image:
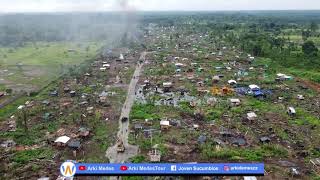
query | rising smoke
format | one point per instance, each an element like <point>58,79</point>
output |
<point>115,26</point>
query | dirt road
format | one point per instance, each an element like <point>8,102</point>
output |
<point>130,150</point>
<point>313,85</point>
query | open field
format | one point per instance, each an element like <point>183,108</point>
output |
<point>33,66</point>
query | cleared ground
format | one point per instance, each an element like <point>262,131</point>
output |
<point>33,66</point>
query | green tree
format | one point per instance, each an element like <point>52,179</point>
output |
<point>309,48</point>
<point>314,27</point>
<point>306,34</point>
<point>257,50</point>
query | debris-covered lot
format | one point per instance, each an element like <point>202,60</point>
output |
<point>75,118</point>
<point>180,88</point>
<point>220,104</point>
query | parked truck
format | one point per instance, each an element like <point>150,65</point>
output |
<point>120,147</point>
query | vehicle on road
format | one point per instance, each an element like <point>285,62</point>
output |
<point>120,147</point>
<point>124,119</point>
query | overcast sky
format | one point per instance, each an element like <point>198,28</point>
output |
<point>151,5</point>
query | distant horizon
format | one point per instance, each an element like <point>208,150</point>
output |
<point>120,11</point>
<point>48,6</point>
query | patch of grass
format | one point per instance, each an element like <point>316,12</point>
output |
<point>305,118</point>
<point>50,53</point>
<point>101,141</point>
<point>2,87</point>
<point>33,135</point>
<point>145,143</point>
<point>95,154</point>
<point>255,154</point>
<point>263,106</point>
<point>100,136</point>
<point>274,68</point>
<point>185,107</point>
<point>150,111</point>
<point>164,71</point>
<point>12,107</point>
<point>305,74</point>
<point>87,89</point>
<point>43,62</point>
<point>138,159</point>
<point>315,176</point>
<point>282,134</point>
<point>213,114</point>
<point>26,156</point>
<point>52,126</point>
<point>35,167</point>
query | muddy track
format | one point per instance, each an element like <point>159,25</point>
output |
<point>313,85</point>
<point>123,133</point>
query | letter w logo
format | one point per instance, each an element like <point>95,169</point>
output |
<point>67,170</point>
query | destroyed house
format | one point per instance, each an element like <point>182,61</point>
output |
<point>61,141</point>
<point>106,66</point>
<point>74,144</point>
<point>167,86</point>
<point>251,116</point>
<point>103,69</point>
<point>8,144</point>
<point>238,141</point>
<point>103,97</point>
<point>202,139</point>
<point>283,77</point>
<point>54,93</point>
<point>215,79</point>
<point>218,68</point>
<point>164,124</point>
<point>138,127</point>
<point>232,82</point>
<point>265,139</point>
<point>259,94</point>
<point>235,102</point>
<point>179,65</point>
<point>84,132</point>
<point>45,102</point>
<point>220,75</point>
<point>72,93</point>
<point>226,133</point>
<point>300,97</point>
<point>155,155</point>
<point>200,69</point>
<point>291,111</point>
<point>83,103</point>
<point>254,87</point>
<point>66,90</point>
<point>47,116</point>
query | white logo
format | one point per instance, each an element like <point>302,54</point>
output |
<point>68,169</point>
<point>173,168</point>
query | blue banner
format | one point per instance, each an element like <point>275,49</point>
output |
<point>164,169</point>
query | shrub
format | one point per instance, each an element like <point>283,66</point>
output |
<point>138,159</point>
